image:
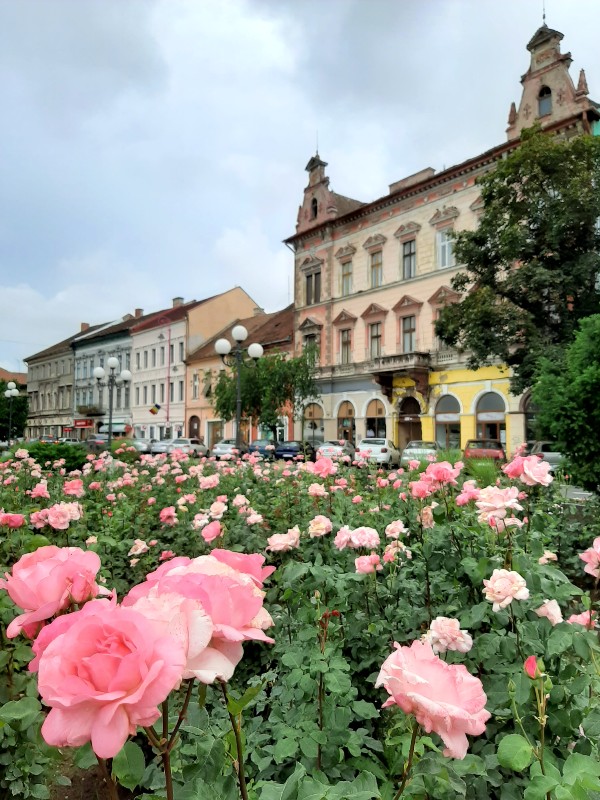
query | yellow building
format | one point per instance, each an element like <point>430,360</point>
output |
<point>371,278</point>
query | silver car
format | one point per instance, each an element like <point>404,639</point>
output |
<point>548,451</point>
<point>339,449</point>
<point>381,451</point>
<point>191,447</point>
<point>419,450</point>
<point>161,447</point>
<point>226,449</point>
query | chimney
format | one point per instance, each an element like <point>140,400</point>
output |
<point>177,301</point>
<point>257,310</point>
<point>139,312</point>
<point>85,326</point>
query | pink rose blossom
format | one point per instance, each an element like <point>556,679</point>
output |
<point>425,516</point>
<point>357,499</point>
<point>531,668</point>
<point>211,531</point>
<point>11,520</point>
<point>239,500</point>
<point>591,556</point>
<point>586,618</point>
<point>209,481</point>
<point>364,537</point>
<point>445,634</point>
<point>40,490</point>
<point>549,556</point>
<point>395,529</point>
<point>47,581</point>
<point>495,502</point>
<point>469,492</point>
<point>282,542</point>
<point>139,547</point>
<point>319,526</point>
<point>168,516</point>
<point>396,550</point>
<point>382,483</point>
<point>420,489</point>
<point>551,610</point>
<point>414,464</point>
<point>442,473</point>
<point>217,509</point>
<point>367,564</point>
<point>120,668</point>
<point>536,472</point>
<point>503,587</point>
<point>443,698</point>
<point>165,555</point>
<point>74,488</point>
<point>317,490</point>
<point>324,467</point>
<point>343,538</point>
<point>151,501</point>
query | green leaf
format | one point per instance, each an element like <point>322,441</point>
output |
<point>286,791</point>
<point>560,639</point>
<point>128,765</point>
<point>539,787</point>
<point>24,712</point>
<point>237,705</point>
<point>85,757</point>
<point>284,749</point>
<point>364,710</point>
<point>577,765</point>
<point>591,725</point>
<point>515,752</point>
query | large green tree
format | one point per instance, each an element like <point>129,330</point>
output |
<point>276,386</point>
<point>531,267</point>
<point>567,396</point>
<point>19,414</point>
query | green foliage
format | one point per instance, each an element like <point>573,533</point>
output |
<point>530,267</point>
<point>568,399</point>
<point>18,419</point>
<point>74,455</point>
<point>274,387</point>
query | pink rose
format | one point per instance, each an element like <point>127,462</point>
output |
<point>367,564</point>
<point>442,473</point>
<point>495,502</point>
<point>364,537</point>
<point>168,516</point>
<point>47,581</point>
<point>514,469</point>
<point>586,618</point>
<point>11,520</point>
<point>591,556</point>
<point>536,472</point>
<point>282,542</point>
<point>412,465</point>
<point>548,556</point>
<point>395,529</point>
<point>468,492</point>
<point>74,488</point>
<point>120,668</point>
<point>139,547</point>
<point>420,489</point>
<point>342,538</point>
<point>324,467</point>
<point>40,490</point>
<point>551,610</point>
<point>503,587</point>
<point>396,549</point>
<point>165,555</point>
<point>445,634</point>
<point>357,499</point>
<point>217,509</point>
<point>250,564</point>
<point>443,698</point>
<point>425,516</point>
<point>317,490</point>
<point>319,526</point>
<point>211,531</point>
<point>531,668</point>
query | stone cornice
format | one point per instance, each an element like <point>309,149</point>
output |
<point>375,242</point>
<point>345,253</point>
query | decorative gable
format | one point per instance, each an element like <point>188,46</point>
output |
<point>407,305</point>
<point>311,264</point>
<point>345,253</point>
<point>407,231</point>
<point>444,296</point>
<point>477,205</point>
<point>344,318</point>
<point>374,310</point>
<point>444,216</point>
<point>310,325</point>
<point>375,242</point>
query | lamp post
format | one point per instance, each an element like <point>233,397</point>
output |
<point>236,361</point>
<point>11,391</point>
<point>112,380</point>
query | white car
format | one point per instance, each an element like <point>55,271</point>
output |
<point>380,451</point>
<point>191,447</point>
<point>339,449</point>
<point>161,447</point>
<point>226,449</point>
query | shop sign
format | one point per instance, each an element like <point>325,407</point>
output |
<point>83,423</point>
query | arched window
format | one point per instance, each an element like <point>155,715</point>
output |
<point>530,414</point>
<point>544,101</point>
<point>312,430</point>
<point>447,422</point>
<point>194,427</point>
<point>491,417</point>
<point>314,208</point>
<point>345,422</point>
<point>375,422</point>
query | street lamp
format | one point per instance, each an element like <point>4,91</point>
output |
<point>11,391</point>
<point>237,360</point>
<point>112,380</point>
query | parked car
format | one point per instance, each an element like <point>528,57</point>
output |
<point>549,452</point>
<point>46,439</point>
<point>262,447</point>
<point>380,451</point>
<point>143,445</point>
<point>297,450</point>
<point>161,446</point>
<point>339,448</point>
<point>191,447</point>
<point>97,442</point>
<point>65,440</point>
<point>226,449</point>
<point>419,450</point>
<point>485,448</point>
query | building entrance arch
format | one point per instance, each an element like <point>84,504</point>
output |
<point>409,421</point>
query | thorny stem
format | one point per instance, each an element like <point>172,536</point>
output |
<point>181,717</point>
<point>238,746</point>
<point>108,780</point>
<point>408,765</point>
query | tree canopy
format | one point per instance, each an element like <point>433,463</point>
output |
<point>531,267</point>
<point>275,387</point>
<point>567,396</point>
<point>19,414</point>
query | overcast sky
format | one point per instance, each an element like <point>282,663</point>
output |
<point>156,148</point>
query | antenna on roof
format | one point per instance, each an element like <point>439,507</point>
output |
<point>544,11</point>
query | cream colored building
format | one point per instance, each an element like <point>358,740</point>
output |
<point>371,278</point>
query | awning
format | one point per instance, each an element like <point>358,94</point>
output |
<point>117,427</point>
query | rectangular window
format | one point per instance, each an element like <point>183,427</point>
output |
<point>162,393</point>
<point>145,359</point>
<point>345,346</point>
<point>313,288</point>
<point>375,339</point>
<point>145,395</point>
<point>128,360</point>
<point>346,278</point>
<point>85,369</point>
<point>137,360</point>
<point>409,259</point>
<point>376,269</point>
<point>445,255</point>
<point>153,393</point>
<point>162,356</point>
<point>409,334</point>
<point>126,396</point>
<point>180,391</point>
<point>153,356</point>
<point>195,386</point>
<point>172,353</point>
<point>137,395</point>
<point>181,351</point>
<point>171,392</point>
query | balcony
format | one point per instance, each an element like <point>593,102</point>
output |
<point>90,411</point>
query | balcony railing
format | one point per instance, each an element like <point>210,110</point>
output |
<point>90,411</point>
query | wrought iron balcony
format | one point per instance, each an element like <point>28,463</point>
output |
<point>90,411</point>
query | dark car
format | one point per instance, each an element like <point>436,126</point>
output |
<point>97,443</point>
<point>301,451</point>
<point>485,448</point>
<point>262,447</point>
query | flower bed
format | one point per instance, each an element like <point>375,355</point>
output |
<point>225,629</point>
